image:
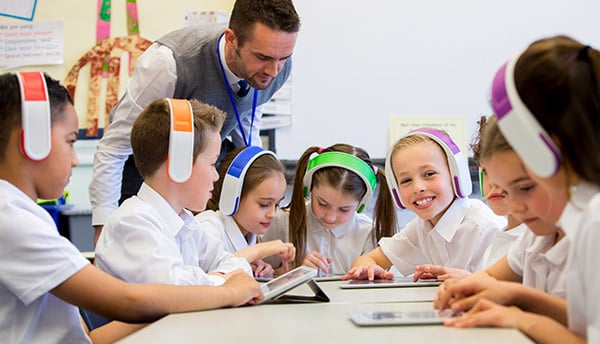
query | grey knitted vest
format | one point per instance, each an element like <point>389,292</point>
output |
<point>199,74</point>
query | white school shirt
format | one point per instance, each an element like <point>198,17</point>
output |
<point>224,227</point>
<point>155,78</point>
<point>458,240</point>
<point>540,262</point>
<point>343,243</point>
<point>146,241</point>
<point>34,259</point>
<point>501,243</point>
<point>581,222</point>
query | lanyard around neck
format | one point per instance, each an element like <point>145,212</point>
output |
<point>232,100</point>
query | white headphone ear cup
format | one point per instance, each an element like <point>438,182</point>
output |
<point>233,182</point>
<point>520,127</point>
<point>391,181</point>
<point>35,115</point>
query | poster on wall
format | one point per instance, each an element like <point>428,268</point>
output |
<point>20,9</point>
<point>29,44</point>
<point>453,125</point>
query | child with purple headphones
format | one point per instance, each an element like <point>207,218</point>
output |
<point>429,175</point>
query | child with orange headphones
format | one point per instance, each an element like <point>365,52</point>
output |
<point>428,174</point>
<point>153,237</point>
<point>325,219</point>
<point>244,202</point>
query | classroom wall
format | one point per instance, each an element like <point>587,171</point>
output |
<point>357,63</point>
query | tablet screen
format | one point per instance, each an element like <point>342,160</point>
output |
<point>284,279</point>
<point>396,282</point>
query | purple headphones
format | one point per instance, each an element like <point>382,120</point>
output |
<point>457,164</point>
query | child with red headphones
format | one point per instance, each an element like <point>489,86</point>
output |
<point>325,219</point>
<point>429,176</point>
<point>43,277</point>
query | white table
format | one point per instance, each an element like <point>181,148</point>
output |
<point>316,322</point>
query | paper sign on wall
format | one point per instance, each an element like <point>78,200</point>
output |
<point>34,43</point>
<point>21,9</point>
<point>453,125</point>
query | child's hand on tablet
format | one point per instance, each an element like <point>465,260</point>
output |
<point>441,273</point>
<point>242,289</point>
<point>370,272</point>
<point>318,261</point>
<point>261,269</point>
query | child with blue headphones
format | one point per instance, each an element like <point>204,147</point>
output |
<point>325,219</point>
<point>244,202</point>
<point>429,175</point>
<point>547,99</point>
<point>498,202</point>
<point>153,237</point>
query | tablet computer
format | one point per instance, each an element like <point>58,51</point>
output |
<point>390,283</point>
<point>406,317</point>
<point>291,279</point>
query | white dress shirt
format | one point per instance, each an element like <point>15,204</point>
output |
<point>34,259</point>
<point>581,222</point>
<point>540,262</point>
<point>501,243</point>
<point>146,241</point>
<point>155,77</point>
<point>343,243</point>
<point>458,240</point>
<point>226,229</point>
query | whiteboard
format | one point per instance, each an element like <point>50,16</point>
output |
<point>356,63</point>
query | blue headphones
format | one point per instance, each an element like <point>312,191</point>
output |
<point>35,115</point>
<point>345,161</point>
<point>233,182</point>
<point>181,140</point>
<point>457,164</point>
<point>519,126</point>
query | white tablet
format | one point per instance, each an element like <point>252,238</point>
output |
<point>387,318</point>
<point>287,281</point>
<point>390,283</point>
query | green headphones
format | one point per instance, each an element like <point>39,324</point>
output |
<point>348,162</point>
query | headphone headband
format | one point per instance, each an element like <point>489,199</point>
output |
<point>233,182</point>
<point>457,164</point>
<point>181,140</point>
<point>520,127</point>
<point>35,115</point>
<point>345,161</point>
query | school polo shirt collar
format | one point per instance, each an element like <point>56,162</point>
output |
<point>233,232</point>
<point>338,232</point>
<point>452,218</point>
<point>231,78</point>
<point>171,220</point>
<point>571,215</point>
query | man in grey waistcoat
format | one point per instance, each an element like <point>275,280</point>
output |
<point>236,69</point>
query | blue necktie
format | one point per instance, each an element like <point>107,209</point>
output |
<point>244,88</point>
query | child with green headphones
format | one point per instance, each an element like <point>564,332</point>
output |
<point>325,219</point>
